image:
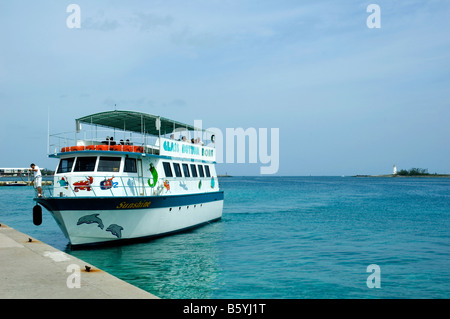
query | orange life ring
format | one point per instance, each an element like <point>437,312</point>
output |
<point>117,148</point>
<point>76,148</point>
<point>102,147</point>
<point>138,149</point>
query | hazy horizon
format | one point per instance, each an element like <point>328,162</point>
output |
<point>347,99</point>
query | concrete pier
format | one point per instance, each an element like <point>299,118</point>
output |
<point>30,269</point>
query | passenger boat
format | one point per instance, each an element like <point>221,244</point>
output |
<point>144,180</point>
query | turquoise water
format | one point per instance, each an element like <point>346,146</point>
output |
<point>286,237</point>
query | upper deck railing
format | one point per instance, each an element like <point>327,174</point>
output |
<point>181,147</point>
<point>130,131</point>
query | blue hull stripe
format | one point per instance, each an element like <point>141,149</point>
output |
<point>127,203</point>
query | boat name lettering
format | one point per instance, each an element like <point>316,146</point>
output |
<point>207,152</point>
<point>140,204</point>
<point>171,146</point>
<point>174,147</point>
<point>190,149</point>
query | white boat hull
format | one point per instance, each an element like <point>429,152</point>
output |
<point>95,226</point>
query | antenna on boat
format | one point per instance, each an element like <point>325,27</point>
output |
<point>48,129</point>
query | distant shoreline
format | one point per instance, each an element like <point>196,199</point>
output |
<point>405,176</point>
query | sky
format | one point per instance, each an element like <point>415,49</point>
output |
<point>346,99</point>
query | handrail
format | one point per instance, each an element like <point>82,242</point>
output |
<point>151,143</point>
<point>135,184</point>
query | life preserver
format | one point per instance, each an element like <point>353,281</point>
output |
<point>138,149</point>
<point>127,148</point>
<point>76,148</point>
<point>102,147</point>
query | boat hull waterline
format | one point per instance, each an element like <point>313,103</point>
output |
<point>86,221</point>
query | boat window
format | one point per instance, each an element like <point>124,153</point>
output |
<point>194,170</point>
<point>65,165</point>
<point>167,169</point>
<point>130,165</point>
<point>177,169</point>
<point>200,170</point>
<point>186,170</point>
<point>85,164</point>
<point>208,173</point>
<point>109,164</point>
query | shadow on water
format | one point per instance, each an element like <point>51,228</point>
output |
<point>182,265</point>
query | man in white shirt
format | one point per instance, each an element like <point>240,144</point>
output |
<point>37,178</point>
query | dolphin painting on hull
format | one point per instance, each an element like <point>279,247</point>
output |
<point>91,219</point>
<point>116,230</point>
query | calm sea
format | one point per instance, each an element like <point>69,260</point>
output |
<point>286,237</point>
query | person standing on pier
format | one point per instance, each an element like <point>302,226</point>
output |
<point>37,178</point>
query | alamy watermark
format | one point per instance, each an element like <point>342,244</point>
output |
<point>374,279</point>
<point>252,145</point>
<point>374,19</point>
<point>73,21</point>
<point>241,145</point>
<point>74,279</point>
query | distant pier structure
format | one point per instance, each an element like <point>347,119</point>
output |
<point>14,171</point>
<point>394,171</point>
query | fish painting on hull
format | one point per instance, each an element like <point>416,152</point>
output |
<point>63,183</point>
<point>108,184</point>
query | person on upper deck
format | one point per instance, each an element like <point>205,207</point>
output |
<point>106,142</point>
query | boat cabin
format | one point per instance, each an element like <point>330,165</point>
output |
<point>123,153</point>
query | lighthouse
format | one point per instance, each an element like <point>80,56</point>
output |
<point>394,171</point>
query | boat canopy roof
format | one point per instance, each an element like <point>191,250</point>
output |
<point>135,122</point>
